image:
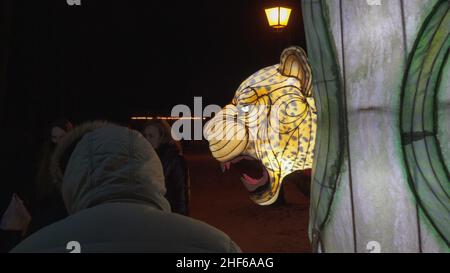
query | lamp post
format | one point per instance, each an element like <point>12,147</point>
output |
<point>278,17</point>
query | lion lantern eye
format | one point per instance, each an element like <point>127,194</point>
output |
<point>245,108</point>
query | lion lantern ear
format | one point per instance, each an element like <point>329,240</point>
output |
<point>294,63</point>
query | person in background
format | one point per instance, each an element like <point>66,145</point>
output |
<point>112,184</point>
<point>47,206</point>
<point>176,173</point>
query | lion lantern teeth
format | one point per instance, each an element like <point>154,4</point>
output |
<point>225,166</point>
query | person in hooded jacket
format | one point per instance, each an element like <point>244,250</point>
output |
<point>176,173</point>
<point>112,185</point>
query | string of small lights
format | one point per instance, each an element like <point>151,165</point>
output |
<point>168,118</point>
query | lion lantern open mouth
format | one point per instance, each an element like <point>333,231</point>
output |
<point>268,131</point>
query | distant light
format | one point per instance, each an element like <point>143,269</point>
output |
<point>141,118</point>
<point>278,17</point>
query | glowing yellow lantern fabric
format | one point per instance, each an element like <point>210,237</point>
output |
<point>278,17</point>
<point>271,121</point>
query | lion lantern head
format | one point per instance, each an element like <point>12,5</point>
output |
<point>269,127</point>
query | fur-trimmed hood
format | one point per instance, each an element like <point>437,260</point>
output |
<point>100,162</point>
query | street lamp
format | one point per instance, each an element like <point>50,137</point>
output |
<point>278,17</point>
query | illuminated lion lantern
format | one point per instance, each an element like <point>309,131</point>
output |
<point>269,127</point>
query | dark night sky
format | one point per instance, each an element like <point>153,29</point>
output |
<point>113,59</point>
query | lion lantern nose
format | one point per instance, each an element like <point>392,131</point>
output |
<point>226,134</point>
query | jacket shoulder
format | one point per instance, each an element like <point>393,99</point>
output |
<point>124,227</point>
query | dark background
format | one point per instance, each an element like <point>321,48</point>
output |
<point>114,59</point>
